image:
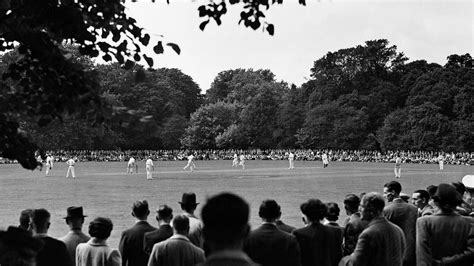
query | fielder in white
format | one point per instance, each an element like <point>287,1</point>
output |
<point>242,161</point>
<point>49,164</point>
<point>291,160</point>
<point>130,165</point>
<point>398,167</point>
<point>441,161</point>
<point>70,170</point>
<point>235,162</point>
<point>149,168</point>
<point>325,159</point>
<point>190,164</point>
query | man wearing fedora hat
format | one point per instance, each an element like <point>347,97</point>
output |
<point>188,205</point>
<point>445,238</point>
<point>75,220</point>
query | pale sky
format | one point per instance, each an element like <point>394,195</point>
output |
<point>429,30</point>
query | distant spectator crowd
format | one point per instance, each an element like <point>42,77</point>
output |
<point>432,226</point>
<point>419,157</point>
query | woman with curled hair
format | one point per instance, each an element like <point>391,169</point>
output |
<point>96,252</point>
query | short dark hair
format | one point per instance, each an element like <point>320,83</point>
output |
<point>25,218</point>
<point>352,201</point>
<point>393,186</point>
<point>181,223</point>
<point>269,209</point>
<point>225,218</point>
<point>39,217</point>
<point>314,209</point>
<point>100,227</point>
<point>164,211</point>
<point>140,208</point>
<point>423,194</point>
<point>460,187</point>
<point>432,190</point>
<point>374,201</point>
<point>333,211</point>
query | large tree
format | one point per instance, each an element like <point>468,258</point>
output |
<point>45,83</point>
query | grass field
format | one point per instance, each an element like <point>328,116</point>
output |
<point>104,189</point>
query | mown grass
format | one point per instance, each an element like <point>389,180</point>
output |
<point>104,189</point>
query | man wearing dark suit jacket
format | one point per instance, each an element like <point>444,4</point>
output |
<point>164,231</point>
<point>269,246</point>
<point>404,215</point>
<point>320,245</point>
<point>382,243</point>
<point>445,238</point>
<point>54,252</point>
<point>131,242</point>
<point>353,225</point>
<point>177,250</point>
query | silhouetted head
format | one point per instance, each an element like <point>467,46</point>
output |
<point>314,210</point>
<point>225,218</point>
<point>269,210</point>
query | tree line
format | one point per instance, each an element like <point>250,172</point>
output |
<point>363,97</point>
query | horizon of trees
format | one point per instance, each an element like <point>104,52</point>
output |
<point>363,97</point>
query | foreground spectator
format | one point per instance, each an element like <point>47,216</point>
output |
<point>464,208</point>
<point>445,238</point>
<point>131,242</point>
<point>25,219</point>
<point>225,218</point>
<point>319,244</point>
<point>75,220</point>
<point>188,205</point>
<point>96,252</point>
<point>420,199</point>
<point>382,243</point>
<point>18,247</point>
<point>177,250</point>
<point>54,252</point>
<point>269,246</point>
<point>354,225</point>
<point>404,215</point>
<point>332,215</point>
<point>468,196</point>
<point>164,231</point>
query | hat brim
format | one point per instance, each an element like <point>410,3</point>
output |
<point>75,216</point>
<point>188,203</point>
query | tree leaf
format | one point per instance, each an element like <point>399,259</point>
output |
<point>175,47</point>
<point>203,24</point>
<point>270,29</point>
<point>158,49</point>
<point>148,60</point>
<point>136,57</point>
<point>202,11</point>
<point>129,64</point>
<point>145,40</point>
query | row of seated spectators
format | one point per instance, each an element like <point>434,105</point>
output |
<point>420,157</point>
<point>434,227</point>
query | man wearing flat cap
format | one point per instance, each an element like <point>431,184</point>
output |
<point>188,205</point>
<point>164,231</point>
<point>131,242</point>
<point>75,220</point>
<point>445,238</point>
